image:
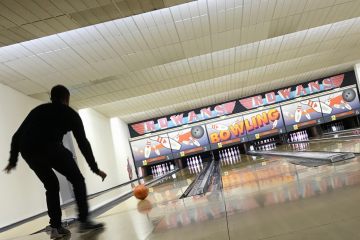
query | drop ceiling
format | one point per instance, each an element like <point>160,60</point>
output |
<point>143,63</point>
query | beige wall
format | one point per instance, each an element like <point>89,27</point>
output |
<point>22,194</point>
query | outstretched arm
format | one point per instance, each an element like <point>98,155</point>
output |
<point>15,145</point>
<point>85,147</point>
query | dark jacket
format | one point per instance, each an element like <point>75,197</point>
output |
<point>45,127</point>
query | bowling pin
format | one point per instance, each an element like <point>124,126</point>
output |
<point>175,145</point>
<point>157,151</point>
<point>155,171</point>
<point>147,149</point>
<point>307,115</point>
<point>295,138</point>
<point>228,160</point>
<point>346,105</point>
<point>163,141</point>
<point>163,168</point>
<point>195,141</point>
<point>298,113</point>
<point>313,105</point>
<point>325,108</point>
<point>158,171</point>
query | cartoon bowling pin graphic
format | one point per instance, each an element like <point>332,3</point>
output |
<point>346,105</point>
<point>147,149</point>
<point>163,141</point>
<point>174,144</point>
<point>318,106</point>
<point>298,113</point>
<point>325,108</point>
<point>194,141</point>
<point>307,115</point>
<point>157,151</point>
<point>313,105</point>
<point>274,124</point>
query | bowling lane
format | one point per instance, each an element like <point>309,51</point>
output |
<point>343,134</point>
<point>274,199</point>
<point>70,211</point>
<point>168,188</point>
<point>162,215</point>
<point>253,187</point>
<point>331,145</point>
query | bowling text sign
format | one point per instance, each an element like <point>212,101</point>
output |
<point>183,118</point>
<point>244,104</point>
<point>267,121</point>
<point>293,92</point>
<point>227,129</point>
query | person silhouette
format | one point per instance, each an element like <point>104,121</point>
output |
<point>39,140</point>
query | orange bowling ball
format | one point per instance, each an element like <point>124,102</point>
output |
<point>141,192</point>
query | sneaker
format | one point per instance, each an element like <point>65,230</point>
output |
<point>57,232</point>
<point>89,225</point>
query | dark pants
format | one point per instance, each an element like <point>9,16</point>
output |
<point>61,159</point>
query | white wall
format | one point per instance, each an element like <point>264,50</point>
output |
<point>22,194</point>
<point>357,73</point>
<point>98,132</point>
<point>121,135</point>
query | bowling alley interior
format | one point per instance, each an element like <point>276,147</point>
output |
<point>212,119</point>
